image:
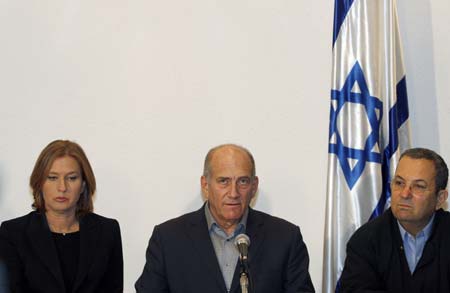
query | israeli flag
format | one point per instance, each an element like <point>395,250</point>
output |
<point>368,122</point>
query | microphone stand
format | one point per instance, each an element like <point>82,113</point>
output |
<point>243,280</point>
<point>244,275</point>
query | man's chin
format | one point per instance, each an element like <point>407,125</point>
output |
<point>234,213</point>
<point>404,216</point>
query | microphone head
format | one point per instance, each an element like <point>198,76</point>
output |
<point>242,239</point>
<point>242,243</point>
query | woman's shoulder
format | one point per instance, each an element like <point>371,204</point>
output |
<point>96,219</point>
<point>20,221</point>
<point>16,228</point>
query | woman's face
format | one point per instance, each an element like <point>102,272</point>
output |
<point>63,186</point>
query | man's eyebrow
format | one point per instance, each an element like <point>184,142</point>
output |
<point>420,180</point>
<point>415,180</point>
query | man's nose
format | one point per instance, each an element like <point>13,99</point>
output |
<point>406,192</point>
<point>234,189</point>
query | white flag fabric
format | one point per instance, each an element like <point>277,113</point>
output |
<point>368,122</point>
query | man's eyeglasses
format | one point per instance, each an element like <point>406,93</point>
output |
<point>416,187</point>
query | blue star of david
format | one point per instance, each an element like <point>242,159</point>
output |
<point>371,104</point>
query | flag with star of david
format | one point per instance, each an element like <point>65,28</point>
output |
<point>368,122</point>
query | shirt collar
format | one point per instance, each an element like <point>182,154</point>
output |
<point>211,222</point>
<point>425,231</point>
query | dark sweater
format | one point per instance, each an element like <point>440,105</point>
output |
<point>376,260</point>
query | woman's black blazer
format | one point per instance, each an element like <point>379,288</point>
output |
<point>27,248</point>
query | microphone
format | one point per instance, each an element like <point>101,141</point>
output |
<point>242,243</point>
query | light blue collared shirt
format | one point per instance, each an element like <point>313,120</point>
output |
<point>413,246</point>
<point>226,251</point>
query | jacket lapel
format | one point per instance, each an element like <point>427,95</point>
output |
<point>89,234</point>
<point>41,241</point>
<point>197,231</point>
<point>254,230</point>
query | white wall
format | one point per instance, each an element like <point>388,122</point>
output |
<point>147,87</point>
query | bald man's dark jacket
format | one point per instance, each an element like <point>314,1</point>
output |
<point>181,257</point>
<point>376,261</point>
<point>28,249</point>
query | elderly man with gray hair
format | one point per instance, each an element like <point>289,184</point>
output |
<point>197,253</point>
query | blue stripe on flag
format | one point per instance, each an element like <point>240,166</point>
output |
<point>341,7</point>
<point>398,114</point>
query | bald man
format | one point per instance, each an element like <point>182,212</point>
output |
<point>196,252</point>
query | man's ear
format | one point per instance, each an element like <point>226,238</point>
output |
<point>205,186</point>
<point>441,198</point>
<point>255,183</point>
